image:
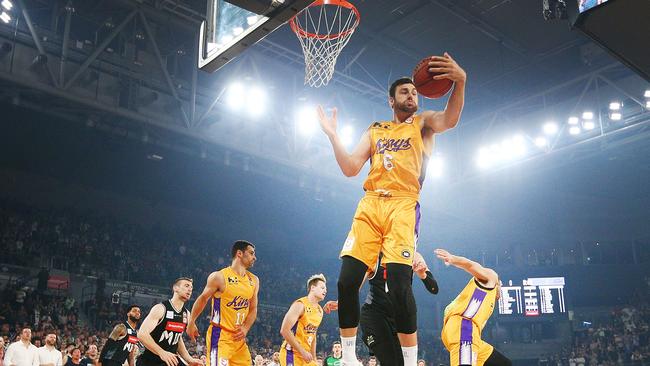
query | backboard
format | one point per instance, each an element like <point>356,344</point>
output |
<point>234,25</point>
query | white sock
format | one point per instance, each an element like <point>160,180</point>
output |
<point>410,355</point>
<point>349,345</point>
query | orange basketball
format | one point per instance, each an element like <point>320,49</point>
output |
<point>426,85</point>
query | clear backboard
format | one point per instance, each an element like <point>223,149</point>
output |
<point>232,26</point>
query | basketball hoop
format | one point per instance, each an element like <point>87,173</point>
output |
<point>324,28</point>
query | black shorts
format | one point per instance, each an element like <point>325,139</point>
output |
<point>380,335</point>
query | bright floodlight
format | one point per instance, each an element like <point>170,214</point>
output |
<point>550,128</point>
<point>573,121</point>
<point>589,125</point>
<point>574,130</point>
<point>588,115</point>
<point>541,142</point>
<point>7,4</point>
<point>485,158</point>
<point>436,165</point>
<point>235,96</point>
<point>647,93</point>
<point>237,31</point>
<point>306,120</point>
<point>615,116</point>
<point>256,99</point>
<point>5,17</point>
<point>614,106</point>
<point>347,135</point>
<point>647,104</point>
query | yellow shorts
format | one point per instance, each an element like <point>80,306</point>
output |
<point>463,341</point>
<point>387,225</point>
<point>222,350</point>
<point>291,358</point>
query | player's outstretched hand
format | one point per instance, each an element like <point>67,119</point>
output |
<point>192,331</point>
<point>447,257</point>
<point>331,306</point>
<point>170,359</point>
<point>447,68</point>
<point>327,124</point>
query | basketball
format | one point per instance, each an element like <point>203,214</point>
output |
<point>426,85</point>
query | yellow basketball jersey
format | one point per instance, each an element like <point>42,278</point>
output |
<point>230,308</point>
<point>475,302</point>
<point>307,325</point>
<point>397,156</point>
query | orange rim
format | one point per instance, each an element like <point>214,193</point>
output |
<point>342,3</point>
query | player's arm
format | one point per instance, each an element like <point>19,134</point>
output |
<point>421,270</point>
<point>144,334</point>
<point>242,331</point>
<point>440,121</point>
<point>486,276</point>
<point>350,164</point>
<point>290,319</point>
<point>185,355</point>
<point>214,284</point>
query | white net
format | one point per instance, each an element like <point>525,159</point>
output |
<point>323,29</point>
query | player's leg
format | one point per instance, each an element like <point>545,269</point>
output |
<point>360,252</point>
<point>492,357</point>
<point>381,338</point>
<point>240,356</point>
<point>399,248</point>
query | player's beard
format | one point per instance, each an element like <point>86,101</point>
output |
<point>134,319</point>
<point>402,107</point>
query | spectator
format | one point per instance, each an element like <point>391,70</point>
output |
<point>275,359</point>
<point>22,352</point>
<point>48,355</point>
<point>372,361</point>
<point>92,356</point>
<point>259,360</point>
<point>75,358</point>
<point>422,363</point>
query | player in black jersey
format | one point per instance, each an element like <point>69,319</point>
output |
<point>123,341</point>
<point>377,319</point>
<point>162,330</point>
<point>378,314</point>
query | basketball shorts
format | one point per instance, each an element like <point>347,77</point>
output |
<point>384,224</point>
<point>222,350</point>
<point>291,358</point>
<point>463,341</point>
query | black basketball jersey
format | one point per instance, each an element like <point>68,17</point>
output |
<point>167,333</point>
<point>119,350</point>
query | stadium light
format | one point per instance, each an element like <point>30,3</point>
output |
<point>251,20</point>
<point>256,101</point>
<point>589,125</point>
<point>574,130</point>
<point>306,120</point>
<point>541,142</point>
<point>237,31</point>
<point>615,116</point>
<point>235,96</point>
<point>615,106</point>
<point>588,115</point>
<point>647,93</point>
<point>485,158</point>
<point>647,104</point>
<point>7,4</point>
<point>573,121</point>
<point>347,135</point>
<point>5,17</point>
<point>550,128</point>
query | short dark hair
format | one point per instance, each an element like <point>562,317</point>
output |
<point>336,342</point>
<point>314,280</point>
<point>131,307</point>
<point>372,358</point>
<point>398,82</point>
<point>176,281</point>
<point>240,245</point>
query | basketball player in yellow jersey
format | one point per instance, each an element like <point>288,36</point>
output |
<point>301,323</point>
<point>387,218</point>
<point>233,291</point>
<point>465,317</point>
